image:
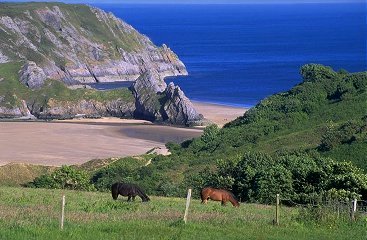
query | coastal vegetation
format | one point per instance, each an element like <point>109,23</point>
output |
<point>286,144</point>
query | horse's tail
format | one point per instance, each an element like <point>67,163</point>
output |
<point>115,190</point>
<point>203,194</point>
<point>142,195</point>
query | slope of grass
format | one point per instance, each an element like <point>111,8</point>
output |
<point>34,214</point>
<point>18,174</point>
<point>14,91</point>
<point>291,121</point>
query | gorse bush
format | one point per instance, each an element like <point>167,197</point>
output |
<point>66,177</point>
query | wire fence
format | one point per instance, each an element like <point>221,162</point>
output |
<point>325,209</point>
<point>359,206</point>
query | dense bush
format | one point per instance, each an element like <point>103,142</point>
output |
<point>66,177</point>
<point>124,170</point>
<point>301,178</point>
<point>346,133</point>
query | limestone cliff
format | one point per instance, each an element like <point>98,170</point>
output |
<point>80,44</point>
<point>60,47</point>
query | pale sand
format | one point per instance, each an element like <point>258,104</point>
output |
<point>219,114</point>
<point>77,141</point>
<point>55,143</point>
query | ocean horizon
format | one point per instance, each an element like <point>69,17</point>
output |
<point>237,55</point>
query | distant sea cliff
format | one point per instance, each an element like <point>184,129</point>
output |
<point>49,51</point>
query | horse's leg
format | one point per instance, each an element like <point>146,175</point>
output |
<point>129,198</point>
<point>204,199</point>
<point>223,202</point>
<point>133,198</point>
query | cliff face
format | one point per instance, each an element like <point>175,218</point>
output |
<point>80,44</point>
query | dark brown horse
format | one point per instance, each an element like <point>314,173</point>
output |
<point>218,195</point>
<point>129,190</point>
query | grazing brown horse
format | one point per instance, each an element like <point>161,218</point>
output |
<point>218,195</point>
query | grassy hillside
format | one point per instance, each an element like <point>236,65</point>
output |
<point>326,108</point>
<point>35,213</point>
<point>18,174</point>
<point>14,91</point>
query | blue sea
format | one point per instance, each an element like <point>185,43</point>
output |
<point>239,54</point>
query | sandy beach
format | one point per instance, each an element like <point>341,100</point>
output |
<point>219,114</point>
<point>76,141</point>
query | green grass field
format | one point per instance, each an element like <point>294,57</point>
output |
<point>35,213</point>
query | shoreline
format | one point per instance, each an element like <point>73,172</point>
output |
<point>221,104</point>
<point>219,114</point>
<point>76,141</point>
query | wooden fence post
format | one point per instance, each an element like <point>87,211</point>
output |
<point>187,204</point>
<point>62,212</point>
<point>353,210</point>
<point>277,210</point>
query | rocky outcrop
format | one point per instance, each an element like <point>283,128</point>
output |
<point>55,109</point>
<point>147,91</point>
<point>32,76</point>
<point>3,58</point>
<point>14,112</point>
<point>155,101</point>
<point>82,44</point>
<point>178,109</point>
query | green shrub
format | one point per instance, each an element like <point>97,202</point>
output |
<point>299,177</point>
<point>66,177</point>
<point>123,170</point>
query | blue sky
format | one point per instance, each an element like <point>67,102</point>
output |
<point>195,1</point>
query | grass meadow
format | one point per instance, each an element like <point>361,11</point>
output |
<point>35,214</point>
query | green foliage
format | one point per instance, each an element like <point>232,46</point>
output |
<point>210,133</point>
<point>298,120</point>
<point>345,134</point>
<point>358,80</point>
<point>123,170</point>
<point>316,72</point>
<point>65,177</point>
<point>300,177</point>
